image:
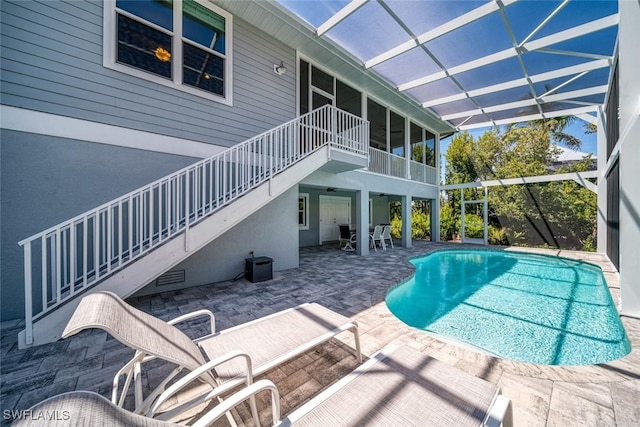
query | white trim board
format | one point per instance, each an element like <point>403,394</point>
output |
<point>23,120</point>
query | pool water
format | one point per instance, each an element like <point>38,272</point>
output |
<point>528,307</point>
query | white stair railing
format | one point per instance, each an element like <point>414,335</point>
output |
<point>72,256</point>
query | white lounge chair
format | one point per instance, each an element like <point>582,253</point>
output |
<point>86,408</point>
<point>264,343</point>
<point>398,386</point>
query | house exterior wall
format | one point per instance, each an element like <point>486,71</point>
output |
<point>52,62</point>
<point>52,67</point>
<point>47,180</point>
<point>629,63</point>
<point>272,231</point>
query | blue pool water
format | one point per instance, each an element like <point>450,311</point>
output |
<point>527,307</point>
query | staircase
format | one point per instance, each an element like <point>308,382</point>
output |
<point>123,245</point>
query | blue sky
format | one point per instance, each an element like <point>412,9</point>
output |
<point>589,142</point>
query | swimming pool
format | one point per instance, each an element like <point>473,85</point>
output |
<point>528,307</point>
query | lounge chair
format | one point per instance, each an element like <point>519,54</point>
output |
<point>397,386</point>
<point>84,408</point>
<point>264,343</point>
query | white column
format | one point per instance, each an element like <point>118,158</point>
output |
<point>629,63</point>
<point>406,221</point>
<point>436,155</point>
<point>407,145</point>
<point>485,215</point>
<point>435,219</point>
<point>362,222</point>
<point>601,214</point>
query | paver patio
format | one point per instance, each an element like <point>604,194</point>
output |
<point>601,395</point>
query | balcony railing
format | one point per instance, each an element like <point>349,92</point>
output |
<point>390,164</point>
<point>70,257</point>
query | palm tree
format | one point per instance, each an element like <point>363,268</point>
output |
<point>557,127</point>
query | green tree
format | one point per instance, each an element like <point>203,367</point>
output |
<point>420,220</point>
<point>556,214</point>
<point>557,127</point>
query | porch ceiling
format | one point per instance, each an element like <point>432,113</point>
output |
<point>477,63</point>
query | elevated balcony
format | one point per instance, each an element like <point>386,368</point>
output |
<point>390,164</point>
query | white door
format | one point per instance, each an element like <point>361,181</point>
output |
<point>333,211</point>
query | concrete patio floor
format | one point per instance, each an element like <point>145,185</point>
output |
<point>601,395</point>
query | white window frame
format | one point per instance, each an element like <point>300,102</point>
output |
<point>304,196</point>
<point>109,49</point>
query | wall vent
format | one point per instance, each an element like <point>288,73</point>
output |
<point>172,277</point>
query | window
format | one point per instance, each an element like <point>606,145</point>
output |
<point>416,143</point>
<point>377,115</point>
<point>304,87</point>
<point>185,44</point>
<point>423,148</point>
<point>303,211</point>
<point>430,149</point>
<point>318,88</point>
<point>397,134</point>
<point>348,99</point>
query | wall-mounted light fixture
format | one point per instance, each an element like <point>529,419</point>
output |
<point>280,69</point>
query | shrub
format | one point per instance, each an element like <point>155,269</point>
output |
<point>420,226</point>
<point>497,236</point>
<point>449,224</point>
<point>473,226</point>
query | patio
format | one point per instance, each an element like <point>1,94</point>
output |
<point>602,395</point>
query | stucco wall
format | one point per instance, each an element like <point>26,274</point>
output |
<point>272,231</point>
<point>47,180</point>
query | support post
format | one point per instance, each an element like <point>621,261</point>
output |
<point>462,215</point>
<point>28,303</point>
<point>435,219</point>
<point>406,221</point>
<point>485,215</point>
<point>601,219</point>
<point>362,222</point>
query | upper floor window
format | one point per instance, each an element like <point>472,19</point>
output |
<point>185,44</point>
<point>422,145</point>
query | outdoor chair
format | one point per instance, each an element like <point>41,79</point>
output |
<point>346,237</point>
<point>86,408</point>
<point>232,355</point>
<point>397,386</point>
<point>376,238</point>
<point>386,235</point>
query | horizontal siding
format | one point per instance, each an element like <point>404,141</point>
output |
<point>52,62</point>
<point>47,180</point>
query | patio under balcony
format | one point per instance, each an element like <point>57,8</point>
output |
<point>354,286</point>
